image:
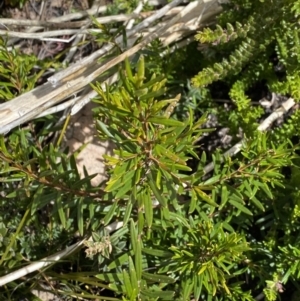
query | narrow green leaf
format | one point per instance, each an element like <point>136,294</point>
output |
<point>121,260</point>
<point>13,194</point>
<point>251,192</point>
<point>141,69</point>
<point>193,202</point>
<point>153,94</point>
<point>60,210</point>
<point>133,235</point>
<point>165,121</point>
<point>80,215</point>
<point>158,253</point>
<point>158,106</point>
<point>116,287</point>
<point>161,199</point>
<point>155,80</point>
<point>128,69</point>
<point>179,218</point>
<point>110,213</point>
<point>202,269</point>
<point>212,180</point>
<point>43,201</point>
<point>132,273</point>
<point>224,196</point>
<point>164,295</point>
<point>257,203</point>
<point>234,194</point>
<point>127,284</point>
<point>198,282</point>
<point>157,278</point>
<point>204,196</point>
<point>127,213</point>
<point>125,188</point>
<point>158,178</point>
<point>187,288</point>
<point>203,158</point>
<point>3,147</point>
<point>23,141</point>
<point>166,213</point>
<point>30,162</point>
<point>120,111</point>
<point>103,128</point>
<point>239,206</point>
<point>169,154</point>
<point>137,175</point>
<point>148,206</point>
<point>110,277</point>
<point>38,196</point>
<point>128,85</point>
<point>228,227</point>
<point>116,183</point>
<point>265,188</point>
<point>141,92</point>
<point>178,166</point>
<point>126,99</point>
<point>138,260</point>
<point>135,293</point>
<point>141,220</point>
<point>171,107</point>
<point>272,174</point>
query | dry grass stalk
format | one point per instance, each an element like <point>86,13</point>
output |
<point>70,81</point>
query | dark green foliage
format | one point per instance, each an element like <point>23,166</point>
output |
<point>15,72</point>
<point>19,72</point>
<point>258,41</point>
<point>209,248</point>
<point>186,235</point>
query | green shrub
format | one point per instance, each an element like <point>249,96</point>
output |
<point>229,235</point>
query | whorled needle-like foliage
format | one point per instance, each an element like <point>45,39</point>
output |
<point>253,42</point>
<point>152,148</point>
<point>184,238</point>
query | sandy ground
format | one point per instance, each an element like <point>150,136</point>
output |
<point>80,131</point>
